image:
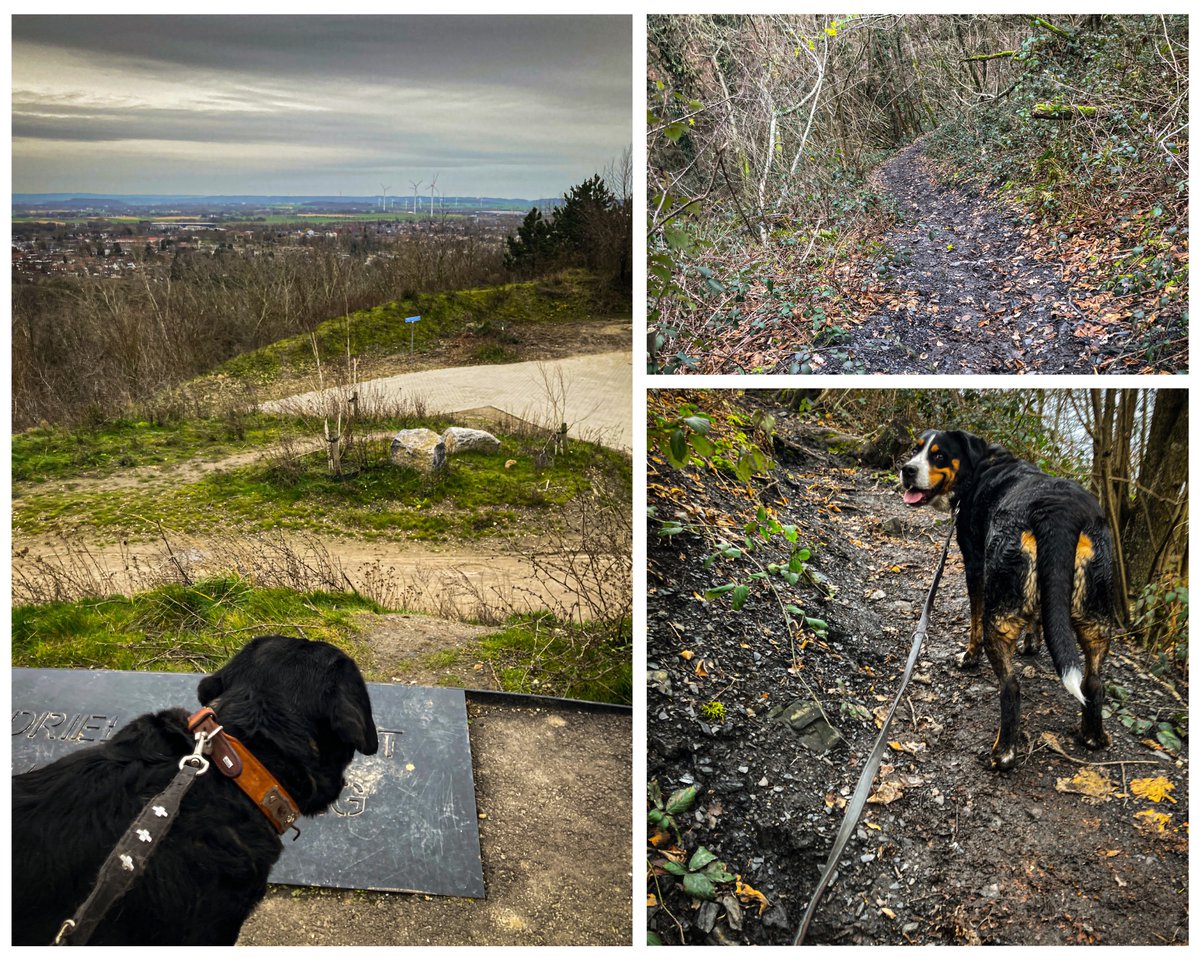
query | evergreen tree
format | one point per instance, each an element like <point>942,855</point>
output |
<point>532,249</point>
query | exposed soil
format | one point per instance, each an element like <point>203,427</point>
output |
<point>473,582</point>
<point>956,853</point>
<point>961,291</point>
<point>553,791</point>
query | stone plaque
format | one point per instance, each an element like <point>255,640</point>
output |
<point>405,822</point>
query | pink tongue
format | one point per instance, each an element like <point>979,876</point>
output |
<point>913,496</point>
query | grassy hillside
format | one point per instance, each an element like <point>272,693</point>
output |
<point>493,316</point>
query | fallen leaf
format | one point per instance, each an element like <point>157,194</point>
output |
<point>1090,784</point>
<point>1154,789</point>
<point>658,838</point>
<point>746,893</point>
<point>887,792</point>
<point>1152,820</point>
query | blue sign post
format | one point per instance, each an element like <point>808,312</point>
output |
<point>412,332</point>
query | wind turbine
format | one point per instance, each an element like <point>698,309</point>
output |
<point>432,190</point>
<point>415,185</point>
<point>385,190</point>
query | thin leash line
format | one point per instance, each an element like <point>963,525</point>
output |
<point>867,777</point>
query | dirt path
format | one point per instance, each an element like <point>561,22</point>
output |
<point>553,790</point>
<point>592,392</point>
<point>951,852</point>
<point>478,583</point>
<point>961,291</point>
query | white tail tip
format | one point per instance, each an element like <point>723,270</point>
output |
<point>1073,681</point>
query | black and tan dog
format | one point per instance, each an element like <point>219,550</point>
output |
<point>300,707</point>
<point>1035,547</point>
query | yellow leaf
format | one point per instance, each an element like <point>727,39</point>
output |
<point>1154,789</point>
<point>686,654</point>
<point>873,826</point>
<point>658,838</point>
<point>746,893</point>
<point>1088,783</point>
<point>651,900</point>
<point>1152,819</point>
<point>888,912</point>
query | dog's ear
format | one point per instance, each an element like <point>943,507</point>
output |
<point>976,448</point>
<point>215,684</point>
<point>210,688</point>
<point>350,709</point>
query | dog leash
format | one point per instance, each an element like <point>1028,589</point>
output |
<point>867,777</point>
<point>127,860</point>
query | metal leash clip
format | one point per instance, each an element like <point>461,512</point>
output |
<point>197,757</point>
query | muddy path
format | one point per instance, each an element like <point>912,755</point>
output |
<point>959,290</point>
<point>950,852</point>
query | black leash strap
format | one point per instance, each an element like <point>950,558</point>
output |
<point>127,861</point>
<point>871,767</point>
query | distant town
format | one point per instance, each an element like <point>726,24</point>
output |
<point>86,235</point>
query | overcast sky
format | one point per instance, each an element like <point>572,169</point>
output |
<point>501,106</point>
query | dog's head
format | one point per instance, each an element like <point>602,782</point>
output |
<point>941,460</point>
<point>306,700</point>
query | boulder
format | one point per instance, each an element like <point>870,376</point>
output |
<point>421,449</point>
<point>458,439</point>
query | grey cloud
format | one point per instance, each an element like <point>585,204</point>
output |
<point>487,96</point>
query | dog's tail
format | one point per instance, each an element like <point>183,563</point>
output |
<point>1059,543</point>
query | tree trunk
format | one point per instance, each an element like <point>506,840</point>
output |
<point>1158,509</point>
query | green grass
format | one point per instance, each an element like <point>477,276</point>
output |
<point>476,497</point>
<point>538,654</point>
<point>381,331</point>
<point>197,627</point>
<point>181,628</point>
<point>60,453</point>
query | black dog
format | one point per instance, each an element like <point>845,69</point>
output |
<point>300,707</point>
<point>1035,547</point>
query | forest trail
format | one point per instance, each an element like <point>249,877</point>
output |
<point>948,851</point>
<point>961,291</point>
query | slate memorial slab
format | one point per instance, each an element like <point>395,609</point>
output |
<point>406,821</point>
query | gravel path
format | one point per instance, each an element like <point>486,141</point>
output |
<point>592,394</point>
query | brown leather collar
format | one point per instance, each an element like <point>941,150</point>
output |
<point>230,756</point>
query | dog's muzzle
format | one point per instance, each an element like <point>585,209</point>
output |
<point>914,476</point>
